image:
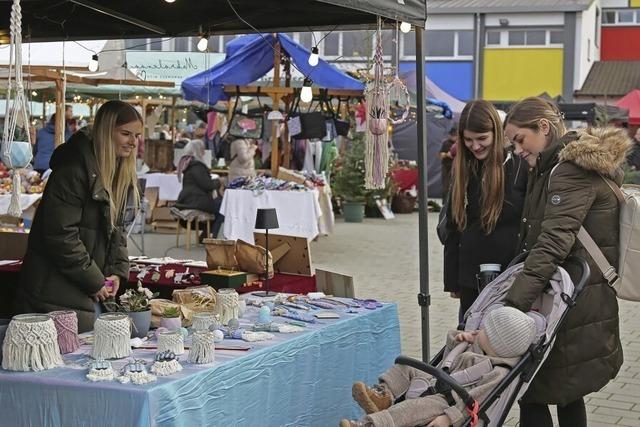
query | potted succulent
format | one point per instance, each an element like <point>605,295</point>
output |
<point>348,182</point>
<point>135,303</point>
<point>171,319</point>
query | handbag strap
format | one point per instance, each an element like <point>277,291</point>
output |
<point>608,271</point>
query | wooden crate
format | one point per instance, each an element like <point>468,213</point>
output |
<point>158,155</point>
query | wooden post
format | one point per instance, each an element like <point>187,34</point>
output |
<point>60,122</point>
<point>275,152</point>
<point>287,144</point>
<point>44,107</point>
<point>173,119</point>
<point>145,131</point>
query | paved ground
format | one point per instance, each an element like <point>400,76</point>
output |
<point>383,258</point>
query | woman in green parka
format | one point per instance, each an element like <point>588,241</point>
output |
<point>77,241</point>
<point>567,190</point>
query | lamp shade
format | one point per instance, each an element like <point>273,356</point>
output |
<point>266,219</point>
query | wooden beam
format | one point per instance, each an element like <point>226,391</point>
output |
<point>101,81</point>
<point>60,124</point>
<point>253,91</point>
<point>275,150</point>
<point>57,75</point>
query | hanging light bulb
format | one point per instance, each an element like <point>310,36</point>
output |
<point>313,58</point>
<point>405,27</point>
<point>93,64</point>
<point>34,93</point>
<point>203,43</point>
<point>170,1</point>
<point>306,95</point>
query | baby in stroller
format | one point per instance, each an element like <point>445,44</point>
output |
<point>478,360</point>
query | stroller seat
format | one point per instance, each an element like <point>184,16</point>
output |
<point>549,311</point>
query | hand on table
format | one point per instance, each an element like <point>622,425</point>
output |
<point>115,285</point>
<point>440,421</point>
<point>454,295</point>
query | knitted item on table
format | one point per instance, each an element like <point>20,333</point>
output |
<point>172,341</point>
<point>66,323</point>
<point>227,305</point>
<point>165,368</point>
<point>112,334</point>
<point>31,344</point>
<point>202,321</point>
<point>100,370</point>
<point>202,348</point>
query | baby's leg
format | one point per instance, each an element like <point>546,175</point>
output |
<point>398,379</point>
<point>410,413</point>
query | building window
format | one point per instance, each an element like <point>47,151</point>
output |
<point>183,44</point>
<point>306,40</point>
<point>493,38</point>
<point>622,17</point>
<point>214,44</point>
<point>355,46</point>
<point>135,44</point>
<point>439,45</point>
<point>331,45</point>
<point>528,37</point>
<point>155,44</point>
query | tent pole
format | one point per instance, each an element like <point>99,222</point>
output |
<point>173,119</point>
<point>60,118</point>
<point>275,152</point>
<point>424,299</point>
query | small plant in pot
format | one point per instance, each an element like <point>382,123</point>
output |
<point>171,319</point>
<point>348,181</point>
<point>135,302</point>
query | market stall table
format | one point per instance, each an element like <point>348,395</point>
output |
<point>301,379</point>
<point>27,202</point>
<point>167,183</point>
<point>298,212</point>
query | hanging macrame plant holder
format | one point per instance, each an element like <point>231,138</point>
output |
<point>376,161</point>
<point>16,150</point>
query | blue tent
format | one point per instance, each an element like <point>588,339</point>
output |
<point>251,57</point>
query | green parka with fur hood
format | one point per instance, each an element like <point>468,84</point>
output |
<point>587,353</point>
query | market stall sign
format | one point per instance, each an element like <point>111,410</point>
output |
<point>170,66</point>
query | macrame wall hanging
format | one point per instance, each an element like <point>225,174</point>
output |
<point>16,141</point>
<point>31,344</point>
<point>112,335</point>
<point>376,160</point>
<point>227,305</point>
<point>66,323</point>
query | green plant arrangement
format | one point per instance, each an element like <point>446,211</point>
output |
<point>348,180</point>
<point>171,312</point>
<point>133,300</point>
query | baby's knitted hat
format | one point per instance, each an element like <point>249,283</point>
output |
<point>510,331</point>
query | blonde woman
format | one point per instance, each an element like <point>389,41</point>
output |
<point>487,195</point>
<point>76,241</point>
<point>569,187</point>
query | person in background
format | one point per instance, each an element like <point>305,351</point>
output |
<point>633,159</point>
<point>566,191</point>
<point>198,187</point>
<point>447,159</point>
<point>77,241</point>
<point>241,161</point>
<point>487,196</point>
<point>45,141</point>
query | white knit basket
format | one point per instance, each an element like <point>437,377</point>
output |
<point>31,344</point>
<point>112,333</point>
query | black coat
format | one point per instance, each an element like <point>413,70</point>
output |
<point>72,245</point>
<point>197,189</point>
<point>464,251</point>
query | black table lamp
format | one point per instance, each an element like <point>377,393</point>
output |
<point>266,219</point>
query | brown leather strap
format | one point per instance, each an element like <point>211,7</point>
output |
<point>616,190</point>
<point>608,271</point>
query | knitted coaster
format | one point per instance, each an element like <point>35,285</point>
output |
<point>31,344</point>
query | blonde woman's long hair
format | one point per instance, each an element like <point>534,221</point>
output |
<point>479,116</point>
<point>118,174</point>
<point>528,113</point>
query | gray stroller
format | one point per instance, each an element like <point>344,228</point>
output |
<point>554,303</point>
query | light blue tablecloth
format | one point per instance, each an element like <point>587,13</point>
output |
<point>296,380</point>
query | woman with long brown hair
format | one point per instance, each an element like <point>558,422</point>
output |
<point>571,185</point>
<point>77,242</point>
<point>488,186</point>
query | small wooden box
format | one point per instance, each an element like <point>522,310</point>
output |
<point>223,278</point>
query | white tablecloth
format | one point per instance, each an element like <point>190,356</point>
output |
<point>168,184</point>
<point>26,201</point>
<point>298,212</point>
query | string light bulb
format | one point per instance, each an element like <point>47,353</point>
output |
<point>405,27</point>
<point>203,43</point>
<point>170,1</point>
<point>314,58</point>
<point>306,95</point>
<point>93,64</point>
